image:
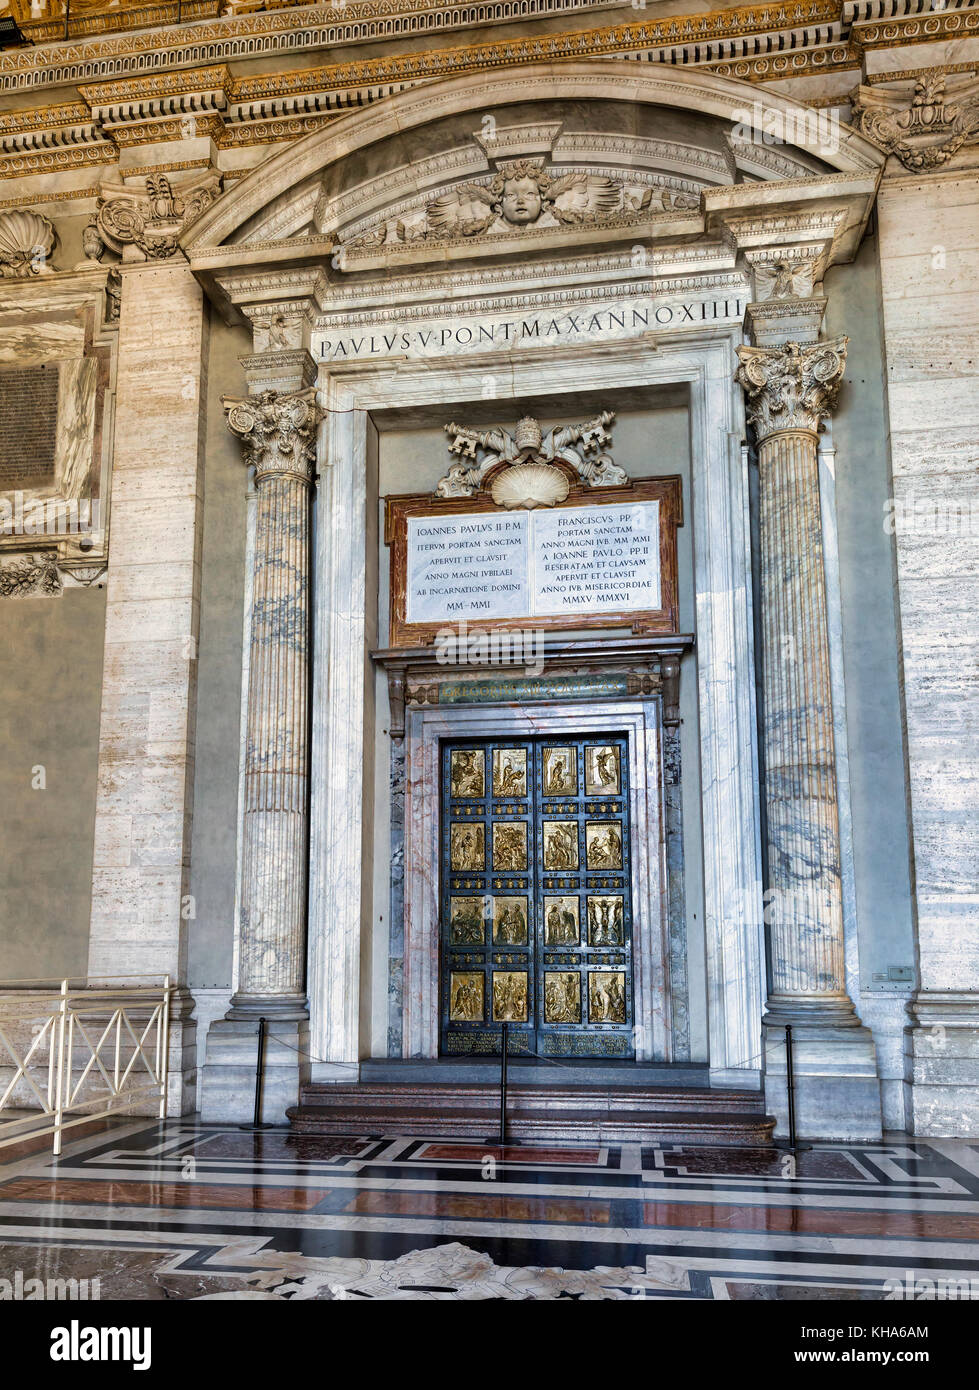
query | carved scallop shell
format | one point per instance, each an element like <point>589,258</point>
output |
<point>530,485</point>
<point>26,242</point>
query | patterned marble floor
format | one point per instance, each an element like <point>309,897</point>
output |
<point>189,1211</point>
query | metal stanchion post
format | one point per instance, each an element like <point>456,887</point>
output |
<point>259,1074</point>
<point>503,1064</point>
<point>794,1144</point>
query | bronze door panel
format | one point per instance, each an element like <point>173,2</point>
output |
<point>536,897</point>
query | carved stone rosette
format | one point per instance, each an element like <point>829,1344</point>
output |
<point>789,390</point>
<point>278,434</point>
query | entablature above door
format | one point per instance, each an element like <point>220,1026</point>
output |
<point>502,668</point>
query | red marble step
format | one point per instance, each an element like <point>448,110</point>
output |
<point>553,1114</point>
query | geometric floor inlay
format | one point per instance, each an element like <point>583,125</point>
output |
<point>188,1211</point>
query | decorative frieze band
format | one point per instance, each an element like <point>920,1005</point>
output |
<point>142,99</point>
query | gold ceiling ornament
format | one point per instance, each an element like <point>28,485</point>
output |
<point>529,469</point>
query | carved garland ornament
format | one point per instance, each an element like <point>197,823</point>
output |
<point>531,475</point>
<point>791,387</point>
<point>925,134</point>
<point>522,194</point>
<point>151,221</point>
<point>29,576</point>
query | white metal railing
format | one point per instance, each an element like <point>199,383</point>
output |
<point>80,1051</point>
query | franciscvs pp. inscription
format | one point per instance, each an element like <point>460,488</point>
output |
<point>595,559</point>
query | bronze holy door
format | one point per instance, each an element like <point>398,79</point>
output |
<point>535,897</point>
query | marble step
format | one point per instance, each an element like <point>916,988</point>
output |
<point>569,1114</point>
<point>524,1071</point>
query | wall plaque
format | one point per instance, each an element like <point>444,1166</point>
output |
<point>28,425</point>
<point>605,558</point>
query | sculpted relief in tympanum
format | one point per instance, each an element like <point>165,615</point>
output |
<point>523,194</point>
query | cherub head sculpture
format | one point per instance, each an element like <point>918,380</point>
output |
<point>519,190</point>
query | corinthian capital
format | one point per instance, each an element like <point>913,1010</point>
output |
<point>278,431</point>
<point>791,387</point>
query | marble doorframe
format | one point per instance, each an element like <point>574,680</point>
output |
<point>640,720</point>
<point>340,907</point>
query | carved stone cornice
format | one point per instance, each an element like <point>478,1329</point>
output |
<point>791,388</point>
<point>700,40</point>
<point>357,20</point>
<point>325,26</point>
<point>800,62</point>
<point>277,431</point>
<point>924,26</point>
<point>190,79</point>
<point>924,128</point>
<point>670,32</point>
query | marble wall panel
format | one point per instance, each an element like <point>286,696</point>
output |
<point>139,918</point>
<point>929,239</point>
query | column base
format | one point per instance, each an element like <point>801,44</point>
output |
<point>230,1058</point>
<point>941,1065</point>
<point>292,1007</point>
<point>837,1090</point>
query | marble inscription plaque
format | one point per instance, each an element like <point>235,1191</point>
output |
<point>28,425</point>
<point>594,560</point>
<point>568,560</point>
<point>606,557</point>
<point>468,567</point>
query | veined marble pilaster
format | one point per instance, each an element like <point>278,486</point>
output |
<point>929,297</point>
<point>789,390</point>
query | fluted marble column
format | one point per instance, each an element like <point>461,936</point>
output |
<point>278,432</point>
<point>789,389</point>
